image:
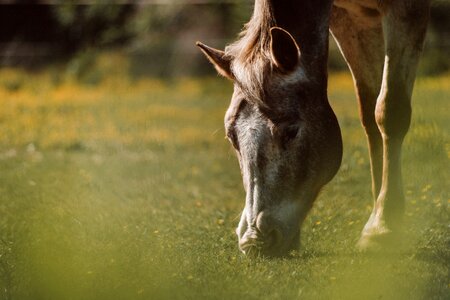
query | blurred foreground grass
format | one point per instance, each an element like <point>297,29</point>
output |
<point>127,189</point>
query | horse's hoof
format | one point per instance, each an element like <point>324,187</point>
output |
<point>368,243</point>
<point>380,241</point>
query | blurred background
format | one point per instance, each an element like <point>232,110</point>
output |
<point>156,36</point>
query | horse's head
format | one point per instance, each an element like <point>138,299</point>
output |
<point>286,138</point>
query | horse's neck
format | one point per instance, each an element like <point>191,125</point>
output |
<point>308,22</point>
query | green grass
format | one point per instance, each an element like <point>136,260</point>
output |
<point>130,191</point>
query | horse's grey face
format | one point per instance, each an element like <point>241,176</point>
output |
<point>275,166</point>
<point>283,145</point>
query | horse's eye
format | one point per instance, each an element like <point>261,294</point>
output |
<point>231,135</point>
<point>289,133</point>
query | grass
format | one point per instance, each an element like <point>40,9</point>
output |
<point>128,190</point>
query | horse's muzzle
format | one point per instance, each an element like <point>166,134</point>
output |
<point>264,238</point>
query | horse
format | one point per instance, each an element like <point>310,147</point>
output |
<point>285,133</point>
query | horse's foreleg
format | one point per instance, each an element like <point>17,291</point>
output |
<point>404,26</point>
<point>362,46</point>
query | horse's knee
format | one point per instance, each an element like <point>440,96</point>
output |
<point>393,112</point>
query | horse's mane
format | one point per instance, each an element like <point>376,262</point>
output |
<point>255,37</point>
<point>250,54</point>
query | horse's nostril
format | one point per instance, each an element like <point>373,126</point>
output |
<point>250,244</point>
<point>264,222</point>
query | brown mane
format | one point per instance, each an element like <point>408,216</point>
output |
<point>250,54</point>
<point>254,40</point>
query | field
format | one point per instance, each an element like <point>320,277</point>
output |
<point>127,189</point>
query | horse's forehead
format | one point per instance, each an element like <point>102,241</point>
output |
<point>261,84</point>
<point>256,144</point>
<point>251,121</point>
<point>251,76</point>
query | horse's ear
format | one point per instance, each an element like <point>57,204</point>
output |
<point>218,59</point>
<point>284,50</point>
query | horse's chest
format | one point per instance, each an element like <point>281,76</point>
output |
<point>365,12</point>
<point>358,4</point>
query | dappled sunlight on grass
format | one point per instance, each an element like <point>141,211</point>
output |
<point>142,112</point>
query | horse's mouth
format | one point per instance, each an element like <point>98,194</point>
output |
<point>254,248</point>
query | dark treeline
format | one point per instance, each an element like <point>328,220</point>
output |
<point>32,34</point>
<point>158,36</point>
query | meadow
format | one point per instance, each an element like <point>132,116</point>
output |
<point>115,188</point>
